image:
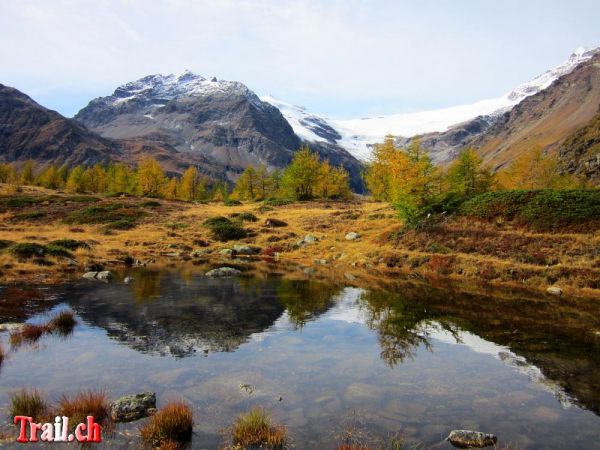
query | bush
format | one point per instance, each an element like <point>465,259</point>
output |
<point>70,244</point>
<point>28,403</point>
<point>57,251</point>
<point>244,217</point>
<point>278,201</point>
<point>150,204</point>
<point>232,203</point>
<point>255,430</point>
<point>173,423</point>
<point>227,231</point>
<point>27,250</point>
<point>21,201</point>
<point>30,215</point>
<point>123,224</point>
<point>113,212</point>
<point>544,209</point>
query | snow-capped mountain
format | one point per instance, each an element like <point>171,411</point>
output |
<point>358,135</point>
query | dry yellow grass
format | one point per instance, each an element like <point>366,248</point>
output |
<point>461,249</point>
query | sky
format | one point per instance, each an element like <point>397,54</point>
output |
<point>339,58</point>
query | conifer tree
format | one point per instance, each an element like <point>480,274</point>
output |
<point>75,180</point>
<point>467,176</point>
<point>26,173</point>
<point>192,186</point>
<point>300,178</point>
<point>150,177</point>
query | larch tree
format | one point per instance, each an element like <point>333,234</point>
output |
<point>467,175</point>
<point>150,177</point>
<point>300,178</point>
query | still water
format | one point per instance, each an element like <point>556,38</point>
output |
<point>411,360</point>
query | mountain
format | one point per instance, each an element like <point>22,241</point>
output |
<point>223,122</point>
<point>358,135</point>
<point>545,120</point>
<point>30,131</point>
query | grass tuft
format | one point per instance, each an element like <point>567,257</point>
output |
<point>171,424</point>
<point>85,403</point>
<point>62,323</point>
<point>255,429</point>
<point>222,229</point>
<point>28,403</point>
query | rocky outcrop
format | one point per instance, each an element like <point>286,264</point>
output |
<point>133,407</point>
<point>580,152</point>
<point>471,439</point>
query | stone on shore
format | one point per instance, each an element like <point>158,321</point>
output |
<point>223,272</point>
<point>470,439</point>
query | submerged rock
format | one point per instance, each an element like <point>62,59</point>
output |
<point>133,407</point>
<point>554,290</point>
<point>128,280</point>
<point>105,275</point>
<point>469,439</point>
<point>222,272</point>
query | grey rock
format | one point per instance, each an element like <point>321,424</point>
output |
<point>352,236</point>
<point>105,275</point>
<point>133,407</point>
<point>309,239</point>
<point>227,252</point>
<point>128,280</point>
<point>470,439</point>
<point>273,223</point>
<point>223,272</point>
<point>90,275</point>
<point>246,250</point>
<point>554,290</point>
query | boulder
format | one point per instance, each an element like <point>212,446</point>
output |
<point>310,239</point>
<point>128,280</point>
<point>227,252</point>
<point>273,223</point>
<point>470,439</point>
<point>245,250</point>
<point>133,407</point>
<point>554,290</point>
<point>90,275</point>
<point>352,236</point>
<point>223,272</point>
<point>105,275</point>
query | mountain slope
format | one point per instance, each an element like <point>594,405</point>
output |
<point>580,152</point>
<point>30,131</point>
<point>546,119</point>
<point>222,122</point>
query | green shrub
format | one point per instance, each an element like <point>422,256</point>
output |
<point>30,215</point>
<point>122,224</point>
<point>81,199</point>
<point>70,244</point>
<point>104,214</point>
<point>222,229</point>
<point>21,201</point>
<point>150,204</point>
<point>55,250</point>
<point>244,217</point>
<point>27,250</point>
<point>278,201</point>
<point>545,209</point>
<point>232,203</point>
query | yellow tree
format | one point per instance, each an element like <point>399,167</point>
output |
<point>300,178</point>
<point>467,175</point>
<point>192,185</point>
<point>50,178</point>
<point>150,177</point>
<point>26,174</point>
<point>7,172</point>
<point>119,178</point>
<point>377,172</point>
<point>536,170</point>
<point>75,180</point>
<point>170,189</point>
<point>246,187</point>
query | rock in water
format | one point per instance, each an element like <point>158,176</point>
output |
<point>90,275</point>
<point>128,280</point>
<point>470,439</point>
<point>222,272</point>
<point>105,275</point>
<point>554,290</point>
<point>133,407</point>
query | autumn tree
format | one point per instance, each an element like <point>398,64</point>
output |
<point>150,177</point>
<point>170,189</point>
<point>50,178</point>
<point>246,187</point>
<point>332,182</point>
<point>26,174</point>
<point>75,180</point>
<point>300,178</point>
<point>536,170</point>
<point>192,185</point>
<point>7,172</point>
<point>467,175</point>
<point>120,178</point>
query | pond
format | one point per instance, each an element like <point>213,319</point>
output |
<point>328,361</point>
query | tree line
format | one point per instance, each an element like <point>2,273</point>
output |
<point>406,177</point>
<point>307,177</point>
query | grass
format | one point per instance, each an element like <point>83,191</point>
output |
<point>29,333</point>
<point>85,403</point>
<point>255,429</point>
<point>232,203</point>
<point>30,215</point>
<point>28,250</point>
<point>28,403</point>
<point>62,323</point>
<point>103,214</point>
<point>173,423</point>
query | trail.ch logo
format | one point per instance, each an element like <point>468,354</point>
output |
<point>30,431</point>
